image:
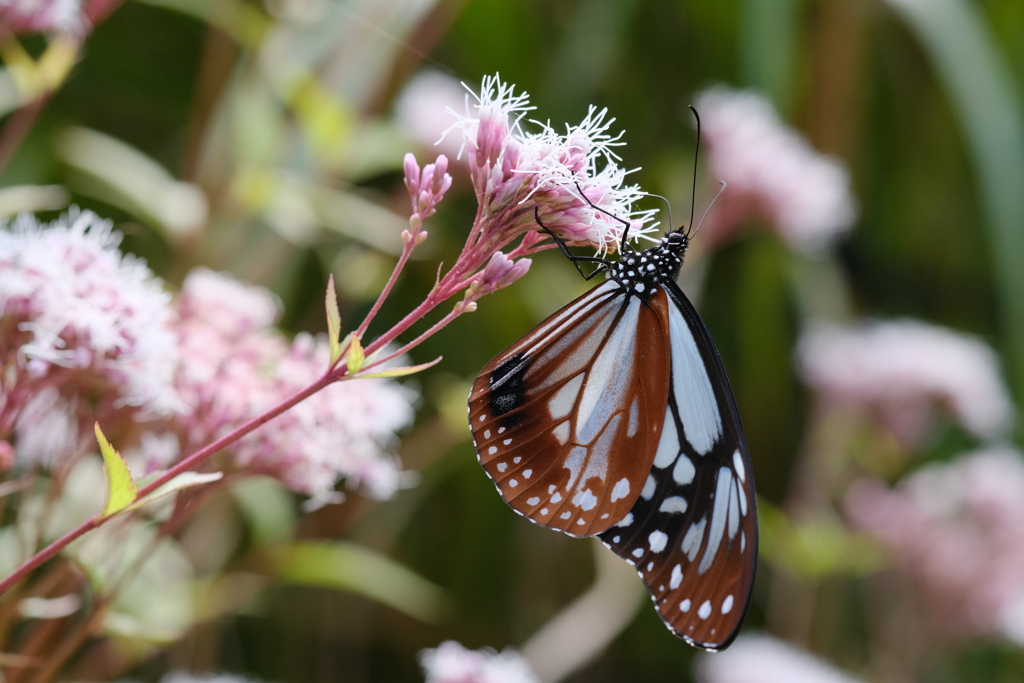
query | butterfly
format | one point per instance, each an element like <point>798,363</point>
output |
<point>614,418</point>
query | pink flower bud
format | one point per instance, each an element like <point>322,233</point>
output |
<point>412,174</point>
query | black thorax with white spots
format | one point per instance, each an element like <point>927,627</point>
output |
<point>639,273</point>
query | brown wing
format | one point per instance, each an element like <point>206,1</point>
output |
<point>567,420</point>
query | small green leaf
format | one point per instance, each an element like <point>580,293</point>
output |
<point>356,356</point>
<point>402,371</point>
<point>121,490</point>
<point>349,567</point>
<point>184,480</point>
<point>333,319</point>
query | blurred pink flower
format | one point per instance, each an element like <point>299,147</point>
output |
<point>79,315</point>
<point>771,171</point>
<point>452,663</point>
<point>763,659</point>
<point>427,187</point>
<point>514,172</point>
<point>422,109</point>
<point>234,367</point>
<point>957,531</point>
<point>43,16</point>
<point>899,369</point>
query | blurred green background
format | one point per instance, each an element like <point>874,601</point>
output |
<point>281,115</point>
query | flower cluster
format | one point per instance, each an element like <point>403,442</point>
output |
<point>516,173</point>
<point>771,171</point>
<point>236,366</point>
<point>79,322</point>
<point>763,659</point>
<point>957,531</point>
<point>43,16</point>
<point>899,369</point>
<point>452,663</point>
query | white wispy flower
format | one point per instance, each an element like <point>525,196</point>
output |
<point>515,171</point>
<point>450,662</point>
<point>78,304</point>
<point>772,171</point>
<point>763,659</point>
<point>900,369</point>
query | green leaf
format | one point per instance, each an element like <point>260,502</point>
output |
<point>349,567</point>
<point>333,320</point>
<point>356,356</point>
<point>402,371</point>
<point>121,490</point>
<point>184,480</point>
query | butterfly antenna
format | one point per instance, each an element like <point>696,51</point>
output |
<point>668,206</point>
<point>708,210</point>
<point>696,152</point>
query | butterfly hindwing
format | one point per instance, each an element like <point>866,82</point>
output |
<point>553,415</point>
<point>692,534</point>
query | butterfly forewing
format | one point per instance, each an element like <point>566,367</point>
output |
<point>692,535</point>
<point>553,415</point>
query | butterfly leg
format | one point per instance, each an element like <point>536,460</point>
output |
<point>569,255</point>
<point>625,224</point>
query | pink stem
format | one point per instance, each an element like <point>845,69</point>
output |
<point>403,259</point>
<point>186,464</point>
<point>418,340</point>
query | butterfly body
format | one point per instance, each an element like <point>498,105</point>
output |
<point>614,418</point>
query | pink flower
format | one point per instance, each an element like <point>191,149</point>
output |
<point>79,315</point>
<point>763,659</point>
<point>452,663</point>
<point>43,16</point>
<point>514,172</point>
<point>235,367</point>
<point>899,369</point>
<point>957,532</point>
<point>772,171</point>
<point>502,271</point>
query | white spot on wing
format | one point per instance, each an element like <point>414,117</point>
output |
<point>727,604</point>
<point>638,552</point>
<point>649,487</point>
<point>658,540</point>
<point>737,464</point>
<point>677,577</point>
<point>527,474</point>
<point>502,466</point>
<point>557,498</point>
<point>513,483</point>
<point>585,500</point>
<point>621,489</point>
<point>685,605</point>
<point>562,402</point>
<point>704,611</point>
<point>625,521</point>
<point>734,510</point>
<point>691,386</point>
<point>565,515</point>
<point>693,538</point>
<point>668,446</point>
<point>533,501</point>
<point>684,470</point>
<point>561,432</point>
<point>492,450</point>
<point>634,417</point>
<point>718,518</point>
<point>487,433</point>
<point>673,504</point>
<point>506,442</point>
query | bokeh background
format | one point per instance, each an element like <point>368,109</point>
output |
<point>265,139</point>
